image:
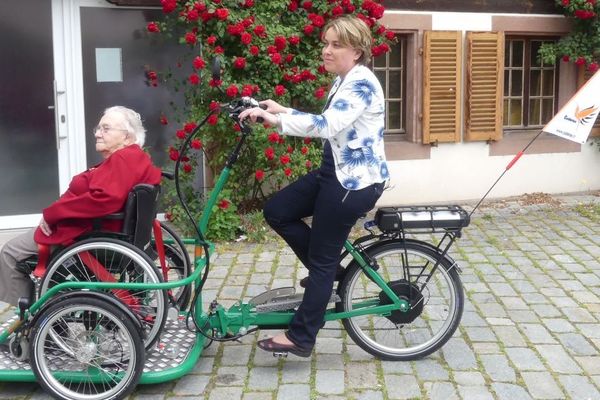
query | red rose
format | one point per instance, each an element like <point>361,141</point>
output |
<point>276,58</point>
<point>566,3</point>
<point>580,61</point>
<point>180,134</point>
<point>168,5</point>
<point>293,6</point>
<point>280,42</point>
<point>246,38</point>
<point>294,40</point>
<point>307,5</point>
<point>169,216</point>
<point>224,204</point>
<point>593,67</point>
<point>271,50</point>
<point>287,171</point>
<point>390,35</point>
<point>211,40</point>
<point>235,30</point>
<point>232,90</point>
<point>189,127</point>
<point>566,58</point>
<point>273,137</point>
<point>187,168</point>
<point>279,90</point>
<point>173,154</point>
<point>249,3</point>
<point>196,144</point>
<point>284,159</point>
<point>239,63</point>
<point>322,69</point>
<point>308,29</point>
<point>194,79</point>
<point>350,9</point>
<point>190,38</point>
<point>337,10</point>
<point>304,150</point>
<point>308,164</point>
<point>319,93</point>
<point>163,120</point>
<point>153,27</point>
<point>192,15</point>
<point>152,75</point>
<point>222,13</point>
<point>259,174</point>
<point>199,7</point>
<point>254,50</point>
<point>269,153</point>
<point>236,127</point>
<point>306,140</point>
<point>260,31</point>
<point>199,63</point>
<point>318,21</point>
<point>215,82</point>
<point>290,149</point>
<point>247,91</point>
<point>219,50</point>
<point>289,58</point>
<point>281,140</point>
<point>212,119</point>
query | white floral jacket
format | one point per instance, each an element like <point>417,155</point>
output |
<point>353,123</point>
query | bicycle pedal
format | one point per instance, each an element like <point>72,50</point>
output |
<point>280,354</point>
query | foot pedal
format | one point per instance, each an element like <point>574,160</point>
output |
<point>283,303</point>
<point>269,295</point>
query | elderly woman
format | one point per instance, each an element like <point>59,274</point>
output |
<point>348,183</point>
<point>99,191</point>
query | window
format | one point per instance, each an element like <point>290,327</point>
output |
<point>390,69</point>
<point>530,86</point>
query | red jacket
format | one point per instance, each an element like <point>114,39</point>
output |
<point>99,191</point>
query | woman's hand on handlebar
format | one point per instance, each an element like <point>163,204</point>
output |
<point>273,107</point>
<point>254,113</point>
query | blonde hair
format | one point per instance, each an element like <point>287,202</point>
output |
<point>353,32</point>
<point>132,122</point>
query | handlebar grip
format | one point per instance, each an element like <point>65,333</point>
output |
<point>167,174</point>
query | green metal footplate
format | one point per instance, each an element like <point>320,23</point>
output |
<point>176,355</point>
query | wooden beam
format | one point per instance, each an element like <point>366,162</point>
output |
<point>504,6</point>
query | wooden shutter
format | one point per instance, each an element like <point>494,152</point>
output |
<point>442,81</point>
<point>582,77</point>
<point>485,63</point>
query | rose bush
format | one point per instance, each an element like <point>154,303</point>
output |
<point>582,44</point>
<point>268,49</point>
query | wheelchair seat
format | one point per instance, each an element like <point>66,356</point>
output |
<point>137,216</point>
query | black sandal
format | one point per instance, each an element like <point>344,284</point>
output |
<point>270,345</point>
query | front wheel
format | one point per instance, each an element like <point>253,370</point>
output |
<point>86,349</point>
<point>436,297</point>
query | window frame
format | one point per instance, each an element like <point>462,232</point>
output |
<point>527,39</point>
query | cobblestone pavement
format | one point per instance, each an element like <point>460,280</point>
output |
<point>530,329</point>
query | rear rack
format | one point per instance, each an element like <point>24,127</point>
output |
<point>421,219</point>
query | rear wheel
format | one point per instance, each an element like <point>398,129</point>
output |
<point>86,348</point>
<point>111,260</point>
<point>435,295</point>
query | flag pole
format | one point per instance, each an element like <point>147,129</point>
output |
<point>508,166</point>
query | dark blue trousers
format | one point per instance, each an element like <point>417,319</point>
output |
<point>335,210</point>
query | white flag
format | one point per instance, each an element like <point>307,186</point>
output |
<point>575,120</point>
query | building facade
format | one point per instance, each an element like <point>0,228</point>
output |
<point>464,87</point>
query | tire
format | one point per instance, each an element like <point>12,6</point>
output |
<point>126,263</point>
<point>436,305</point>
<point>179,264</point>
<point>96,338</point>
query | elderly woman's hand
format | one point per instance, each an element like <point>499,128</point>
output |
<point>45,228</point>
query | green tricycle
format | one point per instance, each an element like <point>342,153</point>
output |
<point>116,310</point>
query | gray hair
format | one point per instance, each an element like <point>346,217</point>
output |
<point>132,122</point>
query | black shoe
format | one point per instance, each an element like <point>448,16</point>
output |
<point>271,346</point>
<point>339,275</point>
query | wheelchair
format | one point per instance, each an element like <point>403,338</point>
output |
<point>126,256</point>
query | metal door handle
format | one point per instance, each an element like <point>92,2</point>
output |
<point>57,120</point>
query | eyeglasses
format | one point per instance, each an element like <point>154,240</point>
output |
<point>105,128</point>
